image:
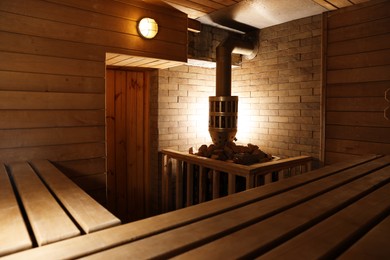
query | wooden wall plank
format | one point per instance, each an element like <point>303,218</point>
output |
<point>24,119</point>
<point>358,60</point>
<point>133,10</point>
<point>50,100</point>
<point>65,152</point>
<point>51,65</point>
<point>357,77</point>
<point>366,74</point>
<point>355,147</point>
<point>358,89</point>
<point>371,11</point>
<point>55,12</point>
<point>361,104</point>
<point>18,43</point>
<point>26,81</point>
<point>50,136</point>
<point>113,41</point>
<point>374,119</point>
<point>375,27</point>
<point>371,43</point>
<point>358,133</point>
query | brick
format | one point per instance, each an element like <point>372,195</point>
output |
<point>301,35</point>
<point>300,92</point>
<point>290,99</point>
<point>277,93</point>
<point>167,99</point>
<point>290,126</point>
<point>290,112</point>
<point>278,119</point>
<point>310,99</point>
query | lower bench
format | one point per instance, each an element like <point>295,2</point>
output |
<point>40,205</point>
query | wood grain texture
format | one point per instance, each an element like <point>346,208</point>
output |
<point>48,221</point>
<point>327,238</point>
<point>260,237</point>
<point>189,217</point>
<point>372,245</point>
<point>259,223</point>
<point>89,214</point>
<point>14,236</point>
<point>52,66</point>
<point>357,75</point>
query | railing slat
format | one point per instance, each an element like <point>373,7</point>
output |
<point>216,186</point>
<point>202,184</point>
<point>190,184</point>
<point>179,184</point>
<point>231,183</point>
<point>284,168</point>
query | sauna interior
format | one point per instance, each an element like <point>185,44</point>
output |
<point>81,88</point>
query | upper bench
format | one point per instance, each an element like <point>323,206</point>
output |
<point>40,205</point>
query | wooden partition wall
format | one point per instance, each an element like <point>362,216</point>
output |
<point>357,56</point>
<point>52,77</point>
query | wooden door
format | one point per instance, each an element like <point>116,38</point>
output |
<point>127,104</point>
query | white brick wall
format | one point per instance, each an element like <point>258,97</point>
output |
<point>279,95</point>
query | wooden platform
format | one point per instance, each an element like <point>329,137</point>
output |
<point>340,211</point>
<point>39,205</point>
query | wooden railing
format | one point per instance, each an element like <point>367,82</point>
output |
<point>189,179</point>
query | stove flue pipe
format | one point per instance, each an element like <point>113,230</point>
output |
<point>223,108</point>
<point>224,62</point>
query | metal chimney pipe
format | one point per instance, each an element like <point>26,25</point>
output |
<point>224,62</point>
<point>223,108</point>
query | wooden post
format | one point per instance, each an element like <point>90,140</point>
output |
<point>231,183</point>
<point>267,178</point>
<point>249,181</point>
<point>190,184</point>
<point>166,180</point>
<point>179,184</point>
<point>202,184</point>
<point>216,177</point>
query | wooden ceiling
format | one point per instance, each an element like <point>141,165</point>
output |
<point>200,8</point>
<point>195,8</point>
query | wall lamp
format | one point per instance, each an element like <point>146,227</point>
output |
<point>147,28</point>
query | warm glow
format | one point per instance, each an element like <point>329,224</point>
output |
<point>148,28</point>
<point>202,120</point>
<point>245,124</point>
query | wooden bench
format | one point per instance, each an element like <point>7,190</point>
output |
<point>40,205</point>
<point>315,212</point>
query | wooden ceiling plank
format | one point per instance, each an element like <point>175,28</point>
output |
<point>325,4</point>
<point>340,3</point>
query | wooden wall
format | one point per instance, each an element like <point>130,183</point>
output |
<point>52,77</point>
<point>357,77</point>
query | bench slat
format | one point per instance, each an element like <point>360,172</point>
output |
<point>255,239</point>
<point>325,238</point>
<point>374,245</point>
<point>11,220</point>
<point>239,244</point>
<point>88,213</point>
<point>108,238</point>
<point>48,220</point>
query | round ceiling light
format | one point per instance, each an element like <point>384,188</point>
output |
<point>148,28</point>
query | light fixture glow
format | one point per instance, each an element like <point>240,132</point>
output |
<point>148,28</point>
